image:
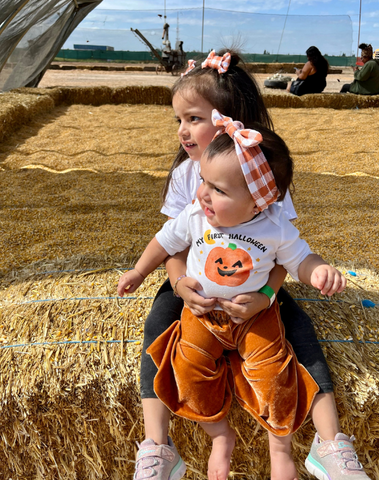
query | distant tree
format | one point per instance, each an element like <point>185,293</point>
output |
<point>343,55</point>
<point>266,52</point>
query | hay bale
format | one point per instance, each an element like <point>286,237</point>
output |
<point>131,68</point>
<point>103,68</point>
<point>336,101</point>
<point>281,68</point>
<point>80,186</point>
<point>281,101</point>
<point>20,106</point>
<point>272,67</point>
<point>17,110</point>
<point>153,95</point>
<point>85,95</point>
<point>73,408</point>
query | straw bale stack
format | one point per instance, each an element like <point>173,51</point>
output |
<point>79,194</point>
<point>20,106</point>
<point>132,68</point>
<point>272,67</point>
<point>149,95</point>
<point>73,409</point>
<point>321,100</point>
<point>17,110</point>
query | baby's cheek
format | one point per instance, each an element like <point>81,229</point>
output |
<point>198,194</point>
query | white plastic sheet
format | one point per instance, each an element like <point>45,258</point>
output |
<point>31,34</point>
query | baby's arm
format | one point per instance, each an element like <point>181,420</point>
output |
<point>242,307</point>
<point>151,258</point>
<point>313,270</point>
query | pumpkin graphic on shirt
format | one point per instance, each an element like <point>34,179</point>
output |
<point>228,266</point>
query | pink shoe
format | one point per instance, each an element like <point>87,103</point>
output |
<point>159,462</point>
<point>335,459</point>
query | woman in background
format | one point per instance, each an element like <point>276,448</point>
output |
<point>312,77</point>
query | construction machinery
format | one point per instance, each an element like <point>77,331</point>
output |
<point>170,61</point>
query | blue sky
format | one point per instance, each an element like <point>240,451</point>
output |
<point>331,25</point>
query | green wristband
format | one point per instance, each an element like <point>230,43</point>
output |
<point>269,292</point>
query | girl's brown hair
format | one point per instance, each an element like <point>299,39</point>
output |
<point>234,93</point>
<point>274,149</point>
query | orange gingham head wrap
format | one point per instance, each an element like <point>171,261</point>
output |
<point>221,64</point>
<point>257,172</point>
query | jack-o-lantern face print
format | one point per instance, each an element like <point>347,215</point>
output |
<point>229,266</point>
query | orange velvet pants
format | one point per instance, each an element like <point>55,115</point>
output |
<point>203,360</point>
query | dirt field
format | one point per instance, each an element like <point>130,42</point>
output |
<point>53,78</point>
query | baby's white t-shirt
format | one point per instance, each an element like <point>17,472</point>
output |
<point>228,261</point>
<point>185,182</point>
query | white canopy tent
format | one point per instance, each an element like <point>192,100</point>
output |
<point>31,34</point>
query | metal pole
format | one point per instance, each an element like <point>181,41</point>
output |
<point>202,28</point>
<point>177,27</point>
<point>284,27</point>
<point>359,25</point>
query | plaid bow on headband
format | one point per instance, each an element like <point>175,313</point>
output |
<point>257,172</point>
<point>221,64</point>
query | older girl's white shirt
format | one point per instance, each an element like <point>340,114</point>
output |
<point>185,181</point>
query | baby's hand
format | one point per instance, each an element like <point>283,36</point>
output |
<point>328,280</point>
<point>243,307</point>
<point>129,282</point>
<point>198,305</point>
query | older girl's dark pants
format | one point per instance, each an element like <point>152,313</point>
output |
<point>299,332</point>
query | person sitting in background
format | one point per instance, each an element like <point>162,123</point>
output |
<point>366,79</point>
<point>312,77</point>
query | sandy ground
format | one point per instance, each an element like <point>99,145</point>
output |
<point>54,78</point>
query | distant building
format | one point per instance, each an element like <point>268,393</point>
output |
<point>94,47</point>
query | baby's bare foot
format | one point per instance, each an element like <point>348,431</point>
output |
<point>283,466</point>
<point>219,461</point>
